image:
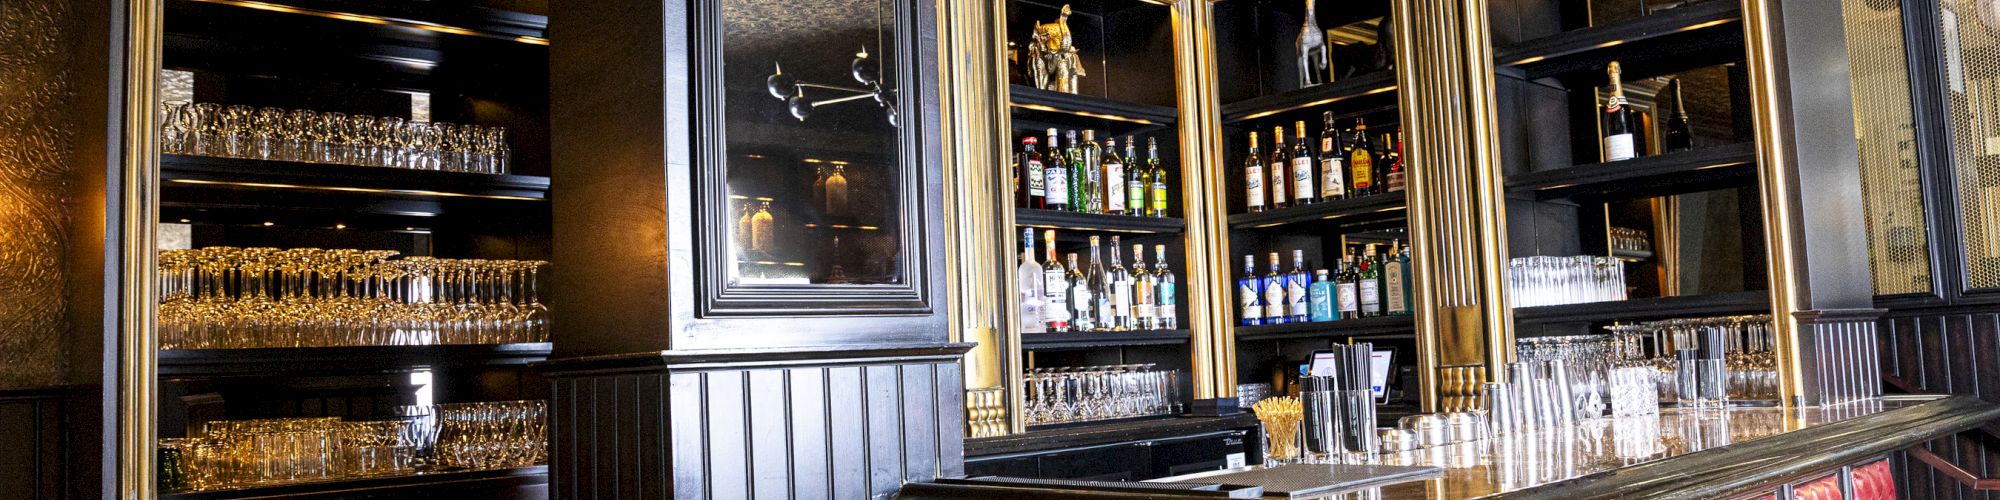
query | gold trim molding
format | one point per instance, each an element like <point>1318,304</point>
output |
<point>979,217</point>
<point>138,210</point>
<point>1203,188</point>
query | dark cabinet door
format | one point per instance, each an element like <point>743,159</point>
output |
<point>816,210</point>
<point>1119,462</point>
<point>1173,457</point>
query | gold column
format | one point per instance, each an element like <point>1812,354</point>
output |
<point>1458,234</point>
<point>1213,347</point>
<point>138,209</point>
<point>1776,187</point>
<point>978,217</point>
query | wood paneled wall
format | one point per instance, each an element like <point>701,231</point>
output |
<point>31,448</point>
<point>1949,352</point>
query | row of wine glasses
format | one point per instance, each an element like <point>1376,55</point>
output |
<point>242,453</point>
<point>1088,393</point>
<point>491,434</point>
<point>268,133</point>
<point>1748,349</point>
<point>1545,280</point>
<point>228,297</point>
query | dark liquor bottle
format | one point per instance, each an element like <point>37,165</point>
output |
<point>1055,283</point>
<point>1139,177</point>
<point>1275,311</point>
<point>1303,192</point>
<point>1361,162</point>
<point>1115,170</point>
<point>1345,294</point>
<point>1156,193</point>
<point>1281,163</point>
<point>1253,178</point>
<point>1055,176</point>
<point>1332,162</point>
<point>1394,178</point>
<point>1250,293</point>
<point>1036,194</point>
<point>1680,135</point>
<point>1618,145</point>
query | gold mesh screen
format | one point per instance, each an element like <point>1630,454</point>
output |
<point>1891,191</point>
<point>1972,94</point>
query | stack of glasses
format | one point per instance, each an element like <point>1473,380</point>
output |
<point>226,298</point>
<point>1339,405</point>
<point>1547,281</point>
<point>208,129</point>
<point>1539,395</point>
<point>247,453</point>
<point>1737,352</point>
<point>492,434</point>
<point>1083,394</point>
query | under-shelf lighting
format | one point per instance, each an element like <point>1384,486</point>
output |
<point>363,18</point>
<point>1321,102</point>
<point>1053,109</point>
<point>418,192</point>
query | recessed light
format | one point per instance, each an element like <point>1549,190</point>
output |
<point>340,226</point>
<point>184,221</point>
<point>269,223</point>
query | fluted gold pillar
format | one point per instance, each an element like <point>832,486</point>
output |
<point>137,211</point>
<point>1213,347</point>
<point>1444,73</point>
<point>979,218</point>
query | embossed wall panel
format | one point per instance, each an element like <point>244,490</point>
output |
<point>38,41</point>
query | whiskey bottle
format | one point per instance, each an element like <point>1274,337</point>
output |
<point>1332,162</point>
<point>1395,176</point>
<point>1275,311</point>
<point>1143,287</point>
<point>1121,290</point>
<point>1114,179</point>
<point>1082,318</point>
<point>1036,193</point>
<point>1281,163</point>
<point>1055,177</point>
<point>1303,192</point>
<point>1033,295</point>
<point>1680,135</point>
<point>1297,304</point>
<point>1618,145</point>
<point>1250,293</point>
<point>1055,284</point>
<point>1361,162</point>
<point>1156,196</point>
<point>1253,177</point>
<point>1165,309</point>
<point>1139,178</point>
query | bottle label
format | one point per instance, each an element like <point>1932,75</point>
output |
<point>1394,282</point>
<point>1142,301</point>
<point>1057,185</point>
<point>1371,296</point>
<point>1278,181</point>
<point>1121,298</point>
<point>1322,304</point>
<point>1135,196</point>
<point>1159,205</point>
<point>1166,310</point>
<point>1274,297</point>
<point>1348,302</point>
<point>1395,181</point>
<point>1618,147</point>
<point>1114,177</point>
<point>1302,178</point>
<point>1036,179</point>
<point>1107,311</point>
<point>1253,181</point>
<point>1056,287</point>
<point>1246,294</point>
<point>1295,297</point>
<point>1363,167</point>
<point>1032,320</point>
<point>1331,183</point>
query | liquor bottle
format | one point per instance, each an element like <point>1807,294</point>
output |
<point>1165,313</point>
<point>1281,166</point>
<point>1250,293</point>
<point>1100,289</point>
<point>1036,195</point>
<point>1114,179</point>
<point>1303,192</point>
<point>1395,278</point>
<point>836,192</point>
<point>1361,162</point>
<point>1055,284</point>
<point>1079,180</point>
<point>743,227</point>
<point>1275,311</point>
<point>1093,173</point>
<point>1680,135</point>
<point>1618,144</point>
<point>1139,177</point>
<point>1143,287</point>
<point>1156,193</point>
<point>1395,176</point>
<point>1081,316</point>
<point>1055,177</point>
<point>1345,293</point>
<point>819,186</point>
<point>1033,293</point>
<point>1253,177</point>
<point>1320,298</point>
<point>1121,290</point>
<point>761,232</point>
<point>1296,303</point>
<point>1370,284</point>
<point>1332,162</point>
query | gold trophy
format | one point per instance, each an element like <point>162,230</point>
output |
<point>1052,60</point>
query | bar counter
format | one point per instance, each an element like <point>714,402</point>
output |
<point>1723,453</point>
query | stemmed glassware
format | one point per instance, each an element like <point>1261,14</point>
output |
<point>227,297</point>
<point>271,133</point>
<point>1748,346</point>
<point>1544,280</point>
<point>245,453</point>
<point>1082,394</point>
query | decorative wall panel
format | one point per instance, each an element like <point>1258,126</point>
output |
<point>1972,96</point>
<point>37,84</point>
<point>1879,72</point>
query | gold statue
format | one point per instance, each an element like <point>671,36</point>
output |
<point>1052,60</point>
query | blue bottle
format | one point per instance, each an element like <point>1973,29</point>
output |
<point>1250,293</point>
<point>1321,296</point>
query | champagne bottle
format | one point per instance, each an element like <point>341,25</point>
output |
<point>1055,284</point>
<point>1281,165</point>
<point>1036,194</point>
<point>1029,276</point>
<point>1303,192</point>
<point>1055,177</point>
<point>1618,145</point>
<point>1250,293</point>
<point>1332,162</point>
<point>1253,177</point>
<point>1680,135</point>
<point>1361,162</point>
<point>1114,180</point>
<point>1275,311</point>
<point>1165,311</point>
<point>1156,204</point>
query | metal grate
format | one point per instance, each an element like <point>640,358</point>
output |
<point>1972,95</point>
<point>1891,191</point>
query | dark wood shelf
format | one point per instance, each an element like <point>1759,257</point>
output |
<point>1101,340</point>
<point>1700,169</point>
<point>1750,302</point>
<point>373,181</point>
<point>1078,221</point>
<point>364,359</point>
<point>1663,36</point>
<point>1022,97</point>
<point>1073,435</point>
<point>1380,205</point>
<point>1310,97</point>
<point>489,483</point>
<point>1377,327</point>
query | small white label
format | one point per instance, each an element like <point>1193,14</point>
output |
<point>1114,177</point>
<point>1235,461</point>
<point>1618,147</point>
<point>1348,302</point>
<point>1253,180</point>
<point>1278,182</point>
<point>1331,184</point>
<point>1302,178</point>
<point>1057,186</point>
<point>1295,297</point>
<point>1037,180</point>
<point>1371,296</point>
<point>1274,298</point>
